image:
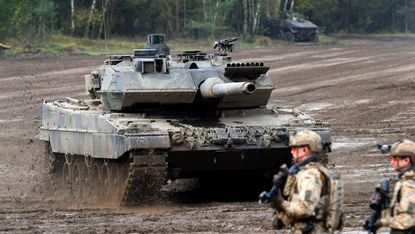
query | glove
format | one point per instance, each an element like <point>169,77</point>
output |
<point>277,201</point>
<point>378,224</point>
<point>263,198</point>
<point>372,227</point>
<point>278,178</point>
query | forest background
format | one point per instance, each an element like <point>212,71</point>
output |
<point>27,22</point>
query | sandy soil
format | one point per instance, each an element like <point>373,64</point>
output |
<point>365,90</point>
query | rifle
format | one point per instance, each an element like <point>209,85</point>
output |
<point>379,201</point>
<point>279,181</point>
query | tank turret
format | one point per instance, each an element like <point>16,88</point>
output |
<point>147,78</point>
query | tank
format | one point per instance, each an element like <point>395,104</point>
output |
<point>149,120</point>
<point>292,27</point>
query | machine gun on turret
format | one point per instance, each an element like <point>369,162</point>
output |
<point>292,27</point>
<point>226,45</point>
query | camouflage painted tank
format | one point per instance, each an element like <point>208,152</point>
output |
<point>150,119</point>
<point>293,27</point>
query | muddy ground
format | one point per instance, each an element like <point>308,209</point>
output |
<point>364,89</point>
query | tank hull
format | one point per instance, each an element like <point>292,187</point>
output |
<point>252,140</point>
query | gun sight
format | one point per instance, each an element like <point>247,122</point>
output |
<point>384,148</point>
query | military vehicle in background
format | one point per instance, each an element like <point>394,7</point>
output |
<point>226,45</point>
<point>150,119</point>
<point>292,27</point>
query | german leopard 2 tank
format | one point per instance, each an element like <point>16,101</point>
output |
<point>151,119</point>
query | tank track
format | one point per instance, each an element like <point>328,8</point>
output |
<point>147,174</point>
<point>126,181</point>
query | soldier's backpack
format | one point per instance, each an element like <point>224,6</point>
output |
<point>333,200</point>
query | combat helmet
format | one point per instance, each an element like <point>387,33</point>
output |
<point>307,137</point>
<point>404,148</point>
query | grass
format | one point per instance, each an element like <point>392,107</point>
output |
<point>328,40</point>
<point>58,44</point>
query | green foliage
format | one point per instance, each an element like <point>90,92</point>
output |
<point>197,29</point>
<point>327,40</point>
<point>32,22</point>
<point>25,19</point>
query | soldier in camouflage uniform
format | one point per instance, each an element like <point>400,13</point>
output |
<point>401,217</point>
<point>302,211</point>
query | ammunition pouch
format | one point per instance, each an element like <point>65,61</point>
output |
<point>309,228</point>
<point>406,231</point>
<point>306,226</point>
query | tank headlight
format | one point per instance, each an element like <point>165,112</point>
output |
<point>177,138</point>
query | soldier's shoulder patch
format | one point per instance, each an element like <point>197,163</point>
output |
<point>317,181</point>
<point>307,196</point>
<point>411,208</point>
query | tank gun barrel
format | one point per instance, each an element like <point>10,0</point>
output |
<point>215,87</point>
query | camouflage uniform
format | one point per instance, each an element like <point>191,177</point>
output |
<point>401,218</point>
<point>304,206</point>
<point>304,188</point>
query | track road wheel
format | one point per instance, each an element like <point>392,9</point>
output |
<point>281,35</point>
<point>66,179</point>
<point>55,163</point>
<point>110,183</point>
<point>115,182</point>
<point>289,36</point>
<point>94,181</point>
<point>77,181</point>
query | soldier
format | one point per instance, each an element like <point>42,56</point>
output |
<point>401,216</point>
<point>305,187</point>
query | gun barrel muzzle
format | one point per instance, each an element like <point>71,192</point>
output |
<point>215,87</point>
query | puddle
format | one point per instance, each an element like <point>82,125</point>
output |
<point>363,101</point>
<point>10,120</point>
<point>339,143</point>
<point>357,231</point>
<point>315,106</point>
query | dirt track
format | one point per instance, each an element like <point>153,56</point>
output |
<point>365,90</point>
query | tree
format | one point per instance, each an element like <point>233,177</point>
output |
<point>91,13</point>
<point>72,17</point>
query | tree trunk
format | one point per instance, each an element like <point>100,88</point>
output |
<point>72,17</point>
<point>204,10</point>
<point>215,14</point>
<point>168,28</point>
<point>270,8</point>
<point>177,18</point>
<point>110,17</point>
<point>256,18</point>
<point>184,15</point>
<point>103,21</point>
<point>406,16</point>
<point>393,16</point>
<point>245,23</point>
<point>91,13</point>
